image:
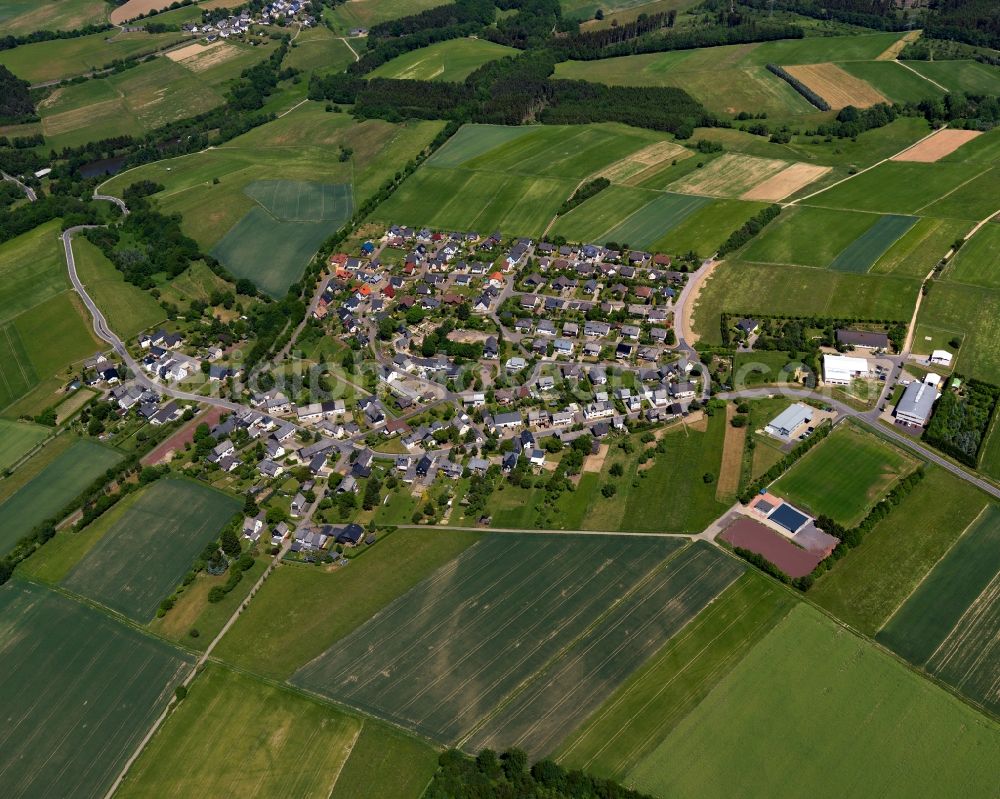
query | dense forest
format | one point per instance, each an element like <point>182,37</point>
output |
<point>16,105</point>
<point>971,21</point>
<point>507,776</point>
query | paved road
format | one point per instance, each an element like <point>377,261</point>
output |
<point>28,191</point>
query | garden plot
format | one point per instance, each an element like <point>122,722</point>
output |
<point>442,656</point>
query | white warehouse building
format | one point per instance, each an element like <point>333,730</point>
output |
<point>840,370</point>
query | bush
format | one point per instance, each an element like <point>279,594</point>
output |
<point>216,594</point>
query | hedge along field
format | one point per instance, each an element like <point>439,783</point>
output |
<point>749,288</point>
<point>585,222</point>
<point>704,230</point>
<point>80,692</point>
<point>862,253</point>
<point>792,237</point>
<point>539,717</point>
<point>865,588</point>
<point>451,60</point>
<point>845,475</point>
<point>898,187</point>
<point>976,263</point>
<point>825,685</point>
<point>235,736</point>
<point>643,711</point>
<point>443,655</point>
<point>654,220</point>
<point>53,488</point>
<point>147,551</point>
<point>950,624</point>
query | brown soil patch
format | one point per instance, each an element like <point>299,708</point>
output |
<point>732,457</point>
<point>467,336</point>
<point>836,86</point>
<point>213,55</point>
<point>893,50</point>
<point>136,8</point>
<point>792,560</point>
<point>697,422</point>
<point>786,182</point>
<point>594,463</point>
<point>189,50</point>
<point>183,436</point>
<point>935,147</point>
<point>632,167</point>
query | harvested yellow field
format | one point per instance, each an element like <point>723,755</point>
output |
<point>729,175</point>
<point>189,51</point>
<point>835,86</point>
<point>634,168</point>
<point>942,143</point>
<point>786,182</point>
<point>136,8</point>
<point>213,55</point>
<point>893,50</point>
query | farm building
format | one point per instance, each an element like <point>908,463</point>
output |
<point>789,421</point>
<point>788,517</point>
<point>842,369</point>
<point>941,357</point>
<point>863,339</point>
<point>914,407</point>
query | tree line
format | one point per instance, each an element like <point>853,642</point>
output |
<point>589,189</point>
<point>799,86</point>
<point>16,105</point>
<point>749,229</point>
<point>961,420</point>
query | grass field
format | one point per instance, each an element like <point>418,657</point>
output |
<point>865,588</point>
<point>50,490</point>
<point>960,76</point>
<point>862,253</point>
<point>65,58</point>
<point>669,685</point>
<point>79,692</point>
<point>823,684</point>
<point>17,439</point>
<point>303,201</point>
<point>972,312</point>
<point>730,175</point>
<point>949,624</point>
<point>844,475</point>
<point>707,227</point>
<point>889,187</point>
<point>32,270</point>
<point>127,308</point>
<point>747,288</point>
<point>319,50</point>
<point>365,13</point>
<point>893,80</point>
<point>302,610</point>
<point>235,736</point>
<point>976,262</point>
<point>474,140</point>
<point>450,61</point>
<point>588,220</point>
<point>974,200</point>
<point>653,221</point>
<point>539,717</point>
<point>442,656</point>
<point>146,552</point>
<point>19,17</point>
<point>270,252</point>
<point>792,239</point>
<point>17,375</point>
<point>385,762</point>
<point>918,250</point>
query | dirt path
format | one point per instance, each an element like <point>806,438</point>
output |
<point>893,50</point>
<point>349,47</point>
<point>732,457</point>
<point>690,301</point>
<point>919,75</point>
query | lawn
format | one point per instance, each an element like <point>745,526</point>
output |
<point>976,262</point>
<point>79,694</point>
<point>539,717</point>
<point>862,253</point>
<point>792,237</point>
<point>865,588</point>
<point>385,762</point>
<point>949,624</point>
<point>746,288</point>
<point>844,475</point>
<point>762,368</point>
<point>235,736</point>
<point>17,439</point>
<point>52,489</point>
<point>823,684</point>
<point>302,610</point>
<point>450,61</point>
<point>669,685</point>
<point>653,221</point>
<point>442,656</point>
<point>898,187</point>
<point>65,58</point>
<point>32,269</point>
<point>128,309</point>
<point>147,550</point>
<point>20,17</point>
<point>972,312</point>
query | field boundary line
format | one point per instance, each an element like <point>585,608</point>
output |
<point>921,75</point>
<point>949,193</point>
<point>530,531</point>
<point>866,169</point>
<point>944,554</point>
<point>538,673</point>
<point>350,752</point>
<point>975,611</point>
